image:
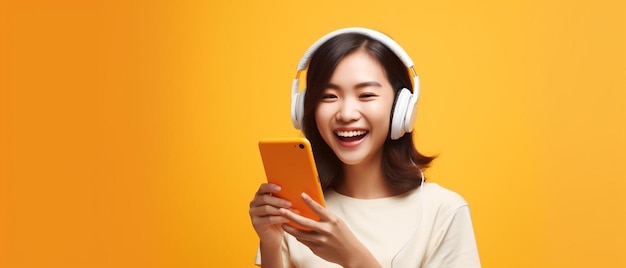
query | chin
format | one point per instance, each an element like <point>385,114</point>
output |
<point>351,159</point>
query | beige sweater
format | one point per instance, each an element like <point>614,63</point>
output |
<point>428,227</point>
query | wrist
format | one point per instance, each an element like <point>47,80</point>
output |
<point>271,240</point>
<point>270,244</point>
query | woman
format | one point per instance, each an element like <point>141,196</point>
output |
<point>379,212</point>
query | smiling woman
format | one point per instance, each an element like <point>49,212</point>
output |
<point>380,212</point>
<point>355,58</point>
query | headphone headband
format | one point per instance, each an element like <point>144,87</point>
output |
<point>378,36</point>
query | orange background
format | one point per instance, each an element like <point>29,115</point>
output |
<point>129,129</point>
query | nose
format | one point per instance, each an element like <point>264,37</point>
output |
<point>349,110</point>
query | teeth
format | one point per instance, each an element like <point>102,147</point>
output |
<point>348,134</point>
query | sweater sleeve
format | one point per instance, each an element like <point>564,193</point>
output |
<point>455,243</point>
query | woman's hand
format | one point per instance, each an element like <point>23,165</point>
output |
<point>265,214</point>
<point>330,238</point>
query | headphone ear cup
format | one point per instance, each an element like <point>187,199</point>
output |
<point>411,112</point>
<point>398,118</point>
<point>297,109</point>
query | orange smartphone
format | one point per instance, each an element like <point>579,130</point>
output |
<point>289,163</point>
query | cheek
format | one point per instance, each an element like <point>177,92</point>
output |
<point>322,120</point>
<point>322,115</point>
<point>382,114</point>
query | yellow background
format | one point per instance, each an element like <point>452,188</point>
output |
<point>129,129</point>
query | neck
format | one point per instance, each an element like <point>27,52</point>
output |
<point>364,182</point>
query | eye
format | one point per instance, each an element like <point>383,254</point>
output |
<point>368,95</point>
<point>328,96</point>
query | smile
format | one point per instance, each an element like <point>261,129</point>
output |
<point>351,135</point>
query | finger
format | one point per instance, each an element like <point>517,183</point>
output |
<point>269,220</point>
<point>268,188</point>
<point>295,211</point>
<point>266,199</point>
<point>301,220</point>
<point>302,236</point>
<point>324,214</point>
<point>262,211</point>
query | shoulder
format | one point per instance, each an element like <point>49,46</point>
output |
<point>434,190</point>
<point>441,200</point>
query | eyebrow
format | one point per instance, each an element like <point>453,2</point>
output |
<point>358,86</point>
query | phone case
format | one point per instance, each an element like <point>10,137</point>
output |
<point>289,163</point>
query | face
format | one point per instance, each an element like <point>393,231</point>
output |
<point>354,112</point>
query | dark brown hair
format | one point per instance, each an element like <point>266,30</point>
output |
<point>401,162</point>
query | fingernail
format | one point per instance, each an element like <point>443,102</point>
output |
<point>287,204</point>
<point>305,196</point>
<point>277,188</point>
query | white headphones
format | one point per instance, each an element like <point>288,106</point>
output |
<point>404,110</point>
